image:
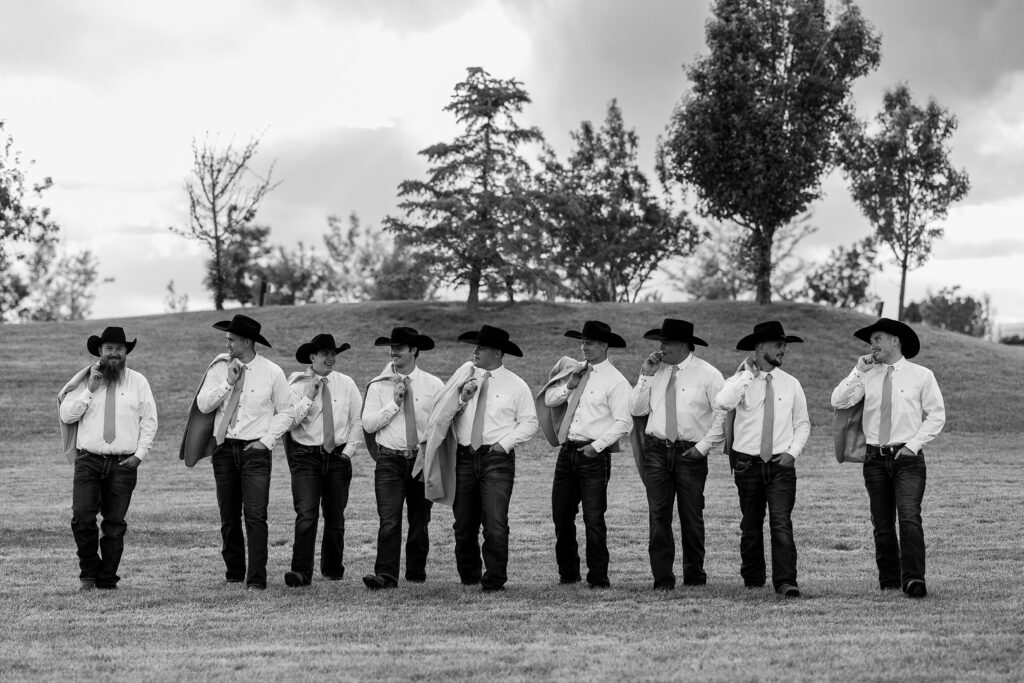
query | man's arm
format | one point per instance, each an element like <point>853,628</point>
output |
<point>215,388</point>
<point>935,414</point>
<point>74,405</point>
<point>355,423</point>
<point>618,402</point>
<point>284,414</point>
<point>380,406</point>
<point>147,420</point>
<point>733,390</point>
<point>716,432</point>
<point>557,393</point>
<point>851,390</point>
<point>527,423</point>
<point>801,421</point>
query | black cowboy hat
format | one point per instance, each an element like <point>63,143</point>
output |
<point>321,342</point>
<point>111,335</point>
<point>675,330</point>
<point>492,337</point>
<point>910,345</point>
<point>406,336</point>
<point>599,331</point>
<point>243,326</point>
<point>766,331</point>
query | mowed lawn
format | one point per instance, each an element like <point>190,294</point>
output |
<point>174,618</point>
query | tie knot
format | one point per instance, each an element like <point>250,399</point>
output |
<point>675,369</point>
<point>768,378</point>
<point>407,381</point>
<point>889,369</point>
<point>486,375</point>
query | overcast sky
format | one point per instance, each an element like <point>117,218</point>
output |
<point>107,97</point>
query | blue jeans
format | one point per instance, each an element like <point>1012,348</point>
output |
<point>671,478</point>
<point>393,486</point>
<point>483,489</point>
<point>897,486</point>
<point>760,483</point>
<point>243,486</point>
<point>101,486</point>
<point>319,479</point>
<point>581,480</point>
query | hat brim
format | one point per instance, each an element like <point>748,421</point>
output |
<point>94,343</point>
<point>611,339</point>
<point>750,342</point>
<point>910,344</point>
<point>306,351</point>
<point>656,335</point>
<point>225,325</point>
<point>506,347</point>
<point>420,341</point>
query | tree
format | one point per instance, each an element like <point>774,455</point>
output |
<point>722,266</point>
<point>293,276</point>
<point>224,194</point>
<point>948,310</point>
<point>760,126</point>
<point>24,226</point>
<point>175,302</point>
<point>472,218</point>
<point>65,288</point>
<point>355,254</point>
<point>401,277</point>
<point>843,279</point>
<point>238,270</point>
<point>610,232</point>
<point>902,179</point>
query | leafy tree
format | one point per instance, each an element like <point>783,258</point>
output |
<point>472,217</point>
<point>237,272</point>
<point>224,194</point>
<point>949,310</point>
<point>400,276</point>
<point>65,288</point>
<point>902,178</point>
<point>722,266</point>
<point>24,226</point>
<point>173,301</point>
<point>610,232</point>
<point>355,252</point>
<point>843,279</point>
<point>760,126</point>
<point>293,276</point>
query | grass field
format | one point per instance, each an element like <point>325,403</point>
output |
<point>174,618</point>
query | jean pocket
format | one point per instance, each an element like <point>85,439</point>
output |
<point>743,465</point>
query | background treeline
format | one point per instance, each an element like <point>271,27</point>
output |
<point>500,215</point>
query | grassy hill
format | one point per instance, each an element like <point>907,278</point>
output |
<point>174,349</point>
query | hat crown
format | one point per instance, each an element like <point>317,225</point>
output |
<point>403,333</point>
<point>675,328</point>
<point>324,341</point>
<point>595,329</point>
<point>769,329</point>
<point>113,335</point>
<point>492,334</point>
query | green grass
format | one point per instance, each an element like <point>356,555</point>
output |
<point>174,619</point>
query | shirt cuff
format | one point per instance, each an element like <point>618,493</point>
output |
<point>268,441</point>
<point>704,446</point>
<point>141,453</point>
<point>507,443</point>
<point>599,444</point>
<point>391,407</point>
<point>913,445</point>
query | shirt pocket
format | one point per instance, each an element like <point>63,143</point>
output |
<point>255,396</point>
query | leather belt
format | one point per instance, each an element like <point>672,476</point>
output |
<point>407,453</point>
<point>884,451</point>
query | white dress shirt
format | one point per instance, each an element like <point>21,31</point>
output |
<point>697,417</point>
<point>381,415</point>
<point>308,423</point>
<point>134,419</point>
<point>745,392</point>
<point>602,415</point>
<point>510,417</point>
<point>918,412</point>
<point>264,409</point>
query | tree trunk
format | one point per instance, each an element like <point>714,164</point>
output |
<point>473,300</point>
<point>510,290</point>
<point>218,277</point>
<point>903,288</point>
<point>763,266</point>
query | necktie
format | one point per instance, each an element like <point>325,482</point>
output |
<point>885,413</point>
<point>327,406</point>
<point>109,411</point>
<point>412,439</point>
<point>671,418</point>
<point>768,427</point>
<point>231,412</point>
<point>574,402</point>
<point>476,438</point>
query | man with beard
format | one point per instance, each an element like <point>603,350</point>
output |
<point>110,433</point>
<point>496,413</point>
<point>771,428</point>
<point>324,436</point>
<point>903,411</point>
<point>252,404</point>
<point>596,396</point>
<point>676,391</point>
<point>398,403</point>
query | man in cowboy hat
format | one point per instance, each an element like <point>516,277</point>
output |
<point>325,433</point>
<point>771,428</point>
<point>496,414</point>
<point>676,391</point>
<point>398,403</point>
<point>253,407</point>
<point>596,417</point>
<point>903,411</point>
<point>110,432</point>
